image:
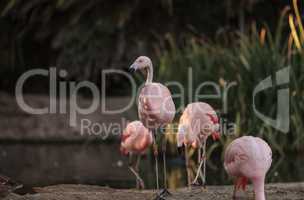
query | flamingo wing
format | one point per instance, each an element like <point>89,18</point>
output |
<point>155,105</point>
<point>235,157</point>
<point>248,156</point>
<point>136,138</point>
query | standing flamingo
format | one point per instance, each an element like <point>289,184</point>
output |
<point>155,108</point>
<point>135,139</point>
<point>248,158</point>
<point>197,122</point>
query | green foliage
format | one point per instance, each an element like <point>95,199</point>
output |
<point>77,34</point>
<point>249,60</point>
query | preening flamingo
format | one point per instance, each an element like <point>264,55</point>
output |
<point>248,158</point>
<point>198,121</point>
<point>135,139</point>
<point>155,107</point>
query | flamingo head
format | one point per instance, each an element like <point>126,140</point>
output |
<point>141,63</point>
<point>124,136</point>
<point>181,132</point>
<point>180,137</point>
<point>216,127</point>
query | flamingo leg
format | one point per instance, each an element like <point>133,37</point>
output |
<point>155,153</point>
<point>162,194</point>
<point>199,158</point>
<point>188,168</point>
<point>139,182</point>
<point>202,163</point>
<point>198,172</point>
<point>164,150</point>
<point>204,167</point>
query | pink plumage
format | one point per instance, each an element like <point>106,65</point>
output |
<point>135,138</point>
<point>155,105</point>
<point>198,121</point>
<point>248,158</point>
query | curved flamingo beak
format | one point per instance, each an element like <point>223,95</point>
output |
<point>216,135</point>
<point>133,68</point>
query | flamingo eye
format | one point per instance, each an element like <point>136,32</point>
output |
<point>140,61</point>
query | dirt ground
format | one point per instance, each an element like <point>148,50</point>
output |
<point>280,191</point>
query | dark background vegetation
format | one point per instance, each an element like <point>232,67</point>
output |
<point>224,41</point>
<point>87,36</point>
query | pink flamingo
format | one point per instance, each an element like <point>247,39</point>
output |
<point>155,108</point>
<point>248,158</point>
<point>135,139</point>
<point>197,122</point>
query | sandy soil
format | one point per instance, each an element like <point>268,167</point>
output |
<point>82,192</point>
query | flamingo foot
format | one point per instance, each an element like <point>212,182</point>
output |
<point>162,195</point>
<point>165,192</point>
<point>159,197</point>
<point>197,184</point>
<point>139,182</point>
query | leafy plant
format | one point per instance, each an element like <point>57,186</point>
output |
<point>249,60</point>
<point>297,32</point>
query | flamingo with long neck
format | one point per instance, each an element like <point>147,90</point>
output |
<point>248,158</point>
<point>197,123</point>
<point>155,107</point>
<point>135,139</point>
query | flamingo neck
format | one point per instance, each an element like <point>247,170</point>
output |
<point>149,74</point>
<point>259,188</point>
